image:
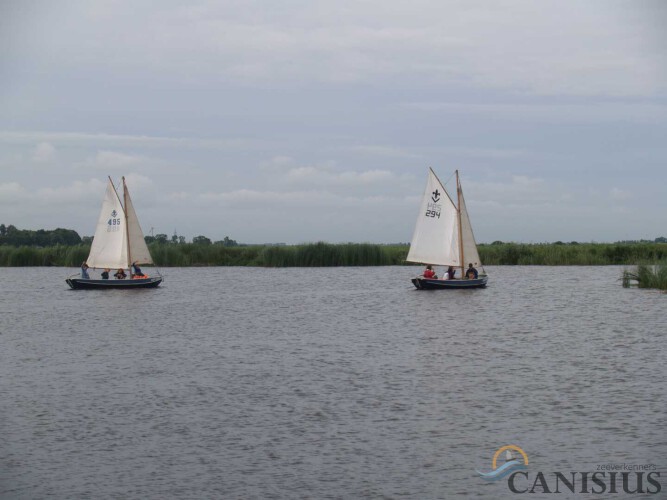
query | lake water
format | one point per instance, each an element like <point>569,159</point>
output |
<point>324,383</point>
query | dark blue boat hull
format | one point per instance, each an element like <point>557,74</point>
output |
<point>83,284</point>
<point>435,284</point>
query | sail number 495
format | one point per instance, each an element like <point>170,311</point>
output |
<point>113,225</point>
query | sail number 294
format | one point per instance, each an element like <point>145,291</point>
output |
<point>433,213</point>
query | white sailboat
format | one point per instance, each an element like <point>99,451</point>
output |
<point>118,244</point>
<point>443,236</point>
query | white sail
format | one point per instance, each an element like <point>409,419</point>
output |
<point>138,251</point>
<point>436,236</point>
<point>109,248</point>
<point>470,253</point>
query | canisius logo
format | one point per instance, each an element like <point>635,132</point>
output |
<point>608,479</point>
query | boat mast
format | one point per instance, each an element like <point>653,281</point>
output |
<point>127,228</point>
<point>458,213</point>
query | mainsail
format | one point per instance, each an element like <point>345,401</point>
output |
<point>443,234</point>
<point>109,248</point>
<point>118,240</point>
<point>436,236</point>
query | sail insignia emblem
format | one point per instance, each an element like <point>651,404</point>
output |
<point>114,213</point>
<point>435,196</point>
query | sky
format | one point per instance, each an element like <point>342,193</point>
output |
<point>300,121</point>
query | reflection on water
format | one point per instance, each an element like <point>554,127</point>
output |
<point>326,382</point>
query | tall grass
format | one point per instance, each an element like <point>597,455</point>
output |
<point>579,254</point>
<point>346,254</point>
<point>326,254</point>
<point>59,255</point>
<point>646,276</point>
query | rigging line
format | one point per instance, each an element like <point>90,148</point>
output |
<point>449,179</point>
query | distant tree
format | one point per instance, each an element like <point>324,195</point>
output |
<point>227,242</point>
<point>3,229</point>
<point>497,242</point>
<point>40,238</point>
<point>661,239</point>
<point>174,238</point>
<point>149,239</point>
<point>574,242</point>
<point>201,240</point>
<point>62,236</point>
<point>161,238</point>
<point>87,240</point>
<point>181,240</point>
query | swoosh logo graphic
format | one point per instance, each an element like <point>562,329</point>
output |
<point>502,471</point>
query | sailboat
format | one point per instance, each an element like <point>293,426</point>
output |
<point>443,236</point>
<point>118,243</point>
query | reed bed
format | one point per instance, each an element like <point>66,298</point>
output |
<point>346,254</point>
<point>646,276</point>
<point>58,255</point>
<point>327,255</point>
<point>577,254</point>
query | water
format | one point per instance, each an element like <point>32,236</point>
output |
<point>323,383</point>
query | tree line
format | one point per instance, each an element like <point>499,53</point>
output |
<point>12,236</point>
<point>64,247</point>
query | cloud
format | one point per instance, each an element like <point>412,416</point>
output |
<point>71,194</point>
<point>112,161</point>
<point>278,163</point>
<point>386,152</point>
<point>44,153</point>
<point>617,194</point>
<point>12,192</point>
<point>589,112</point>
<point>77,192</point>
<point>509,45</point>
<point>264,200</point>
<point>327,175</point>
<point>120,140</point>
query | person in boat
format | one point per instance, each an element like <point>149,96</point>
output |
<point>429,273</point>
<point>136,269</point>
<point>84,271</point>
<point>137,274</point>
<point>120,274</point>
<point>450,273</point>
<point>471,272</point>
<point>105,274</point>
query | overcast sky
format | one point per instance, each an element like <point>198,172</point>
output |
<point>297,121</point>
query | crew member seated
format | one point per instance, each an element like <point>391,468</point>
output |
<point>429,273</point>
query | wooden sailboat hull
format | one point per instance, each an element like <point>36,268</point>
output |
<point>83,284</point>
<point>435,284</point>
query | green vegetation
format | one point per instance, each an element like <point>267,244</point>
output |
<point>326,254</point>
<point>646,276</point>
<point>10,235</point>
<point>59,255</point>
<point>206,254</point>
<point>64,247</point>
<point>571,254</point>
